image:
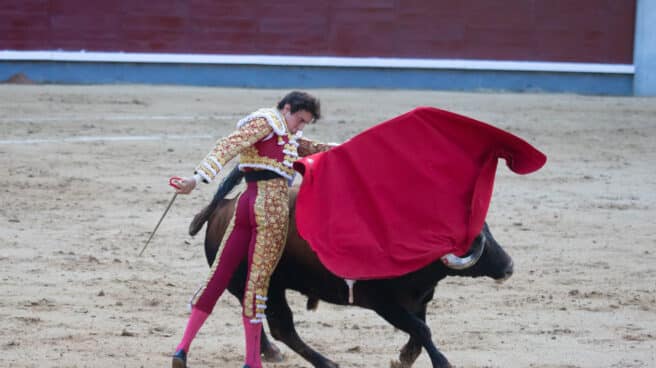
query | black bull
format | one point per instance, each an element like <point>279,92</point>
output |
<point>401,301</point>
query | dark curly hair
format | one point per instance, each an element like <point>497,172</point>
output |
<point>298,100</point>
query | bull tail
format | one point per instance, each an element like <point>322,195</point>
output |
<point>227,184</point>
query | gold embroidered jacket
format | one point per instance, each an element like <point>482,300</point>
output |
<point>263,142</point>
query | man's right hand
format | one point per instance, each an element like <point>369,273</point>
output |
<point>182,185</point>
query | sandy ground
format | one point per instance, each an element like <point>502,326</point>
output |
<point>84,180</point>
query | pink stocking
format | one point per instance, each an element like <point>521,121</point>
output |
<point>194,324</point>
<point>252,331</point>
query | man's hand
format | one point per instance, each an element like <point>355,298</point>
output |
<point>182,185</point>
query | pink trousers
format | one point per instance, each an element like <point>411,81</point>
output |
<point>258,230</point>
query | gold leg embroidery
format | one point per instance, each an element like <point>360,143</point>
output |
<point>272,216</point>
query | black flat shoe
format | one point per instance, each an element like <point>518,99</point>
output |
<point>179,359</point>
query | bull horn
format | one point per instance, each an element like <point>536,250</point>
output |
<point>460,263</point>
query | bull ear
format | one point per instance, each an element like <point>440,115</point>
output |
<point>460,263</point>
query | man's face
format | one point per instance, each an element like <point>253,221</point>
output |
<point>296,121</point>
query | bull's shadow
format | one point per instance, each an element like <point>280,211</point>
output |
<point>401,300</point>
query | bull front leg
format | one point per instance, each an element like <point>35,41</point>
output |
<point>405,321</point>
<point>281,324</point>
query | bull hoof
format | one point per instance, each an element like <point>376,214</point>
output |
<point>272,354</point>
<point>398,364</point>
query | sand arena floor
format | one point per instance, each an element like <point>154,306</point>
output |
<point>84,180</point>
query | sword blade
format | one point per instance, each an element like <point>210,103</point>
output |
<point>158,223</point>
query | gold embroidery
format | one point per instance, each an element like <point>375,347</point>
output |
<point>271,216</point>
<point>230,146</point>
<point>278,121</point>
<point>250,158</point>
<point>308,147</point>
<point>214,165</point>
<point>273,118</point>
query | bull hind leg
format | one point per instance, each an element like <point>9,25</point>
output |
<point>270,352</point>
<point>281,324</point>
<point>412,349</point>
<point>405,321</point>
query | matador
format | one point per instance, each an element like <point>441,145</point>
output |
<point>267,141</point>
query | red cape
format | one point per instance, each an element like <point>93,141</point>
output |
<point>405,192</point>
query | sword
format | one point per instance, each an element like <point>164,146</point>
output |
<point>175,195</point>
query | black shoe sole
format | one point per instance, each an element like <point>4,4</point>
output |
<point>178,363</point>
